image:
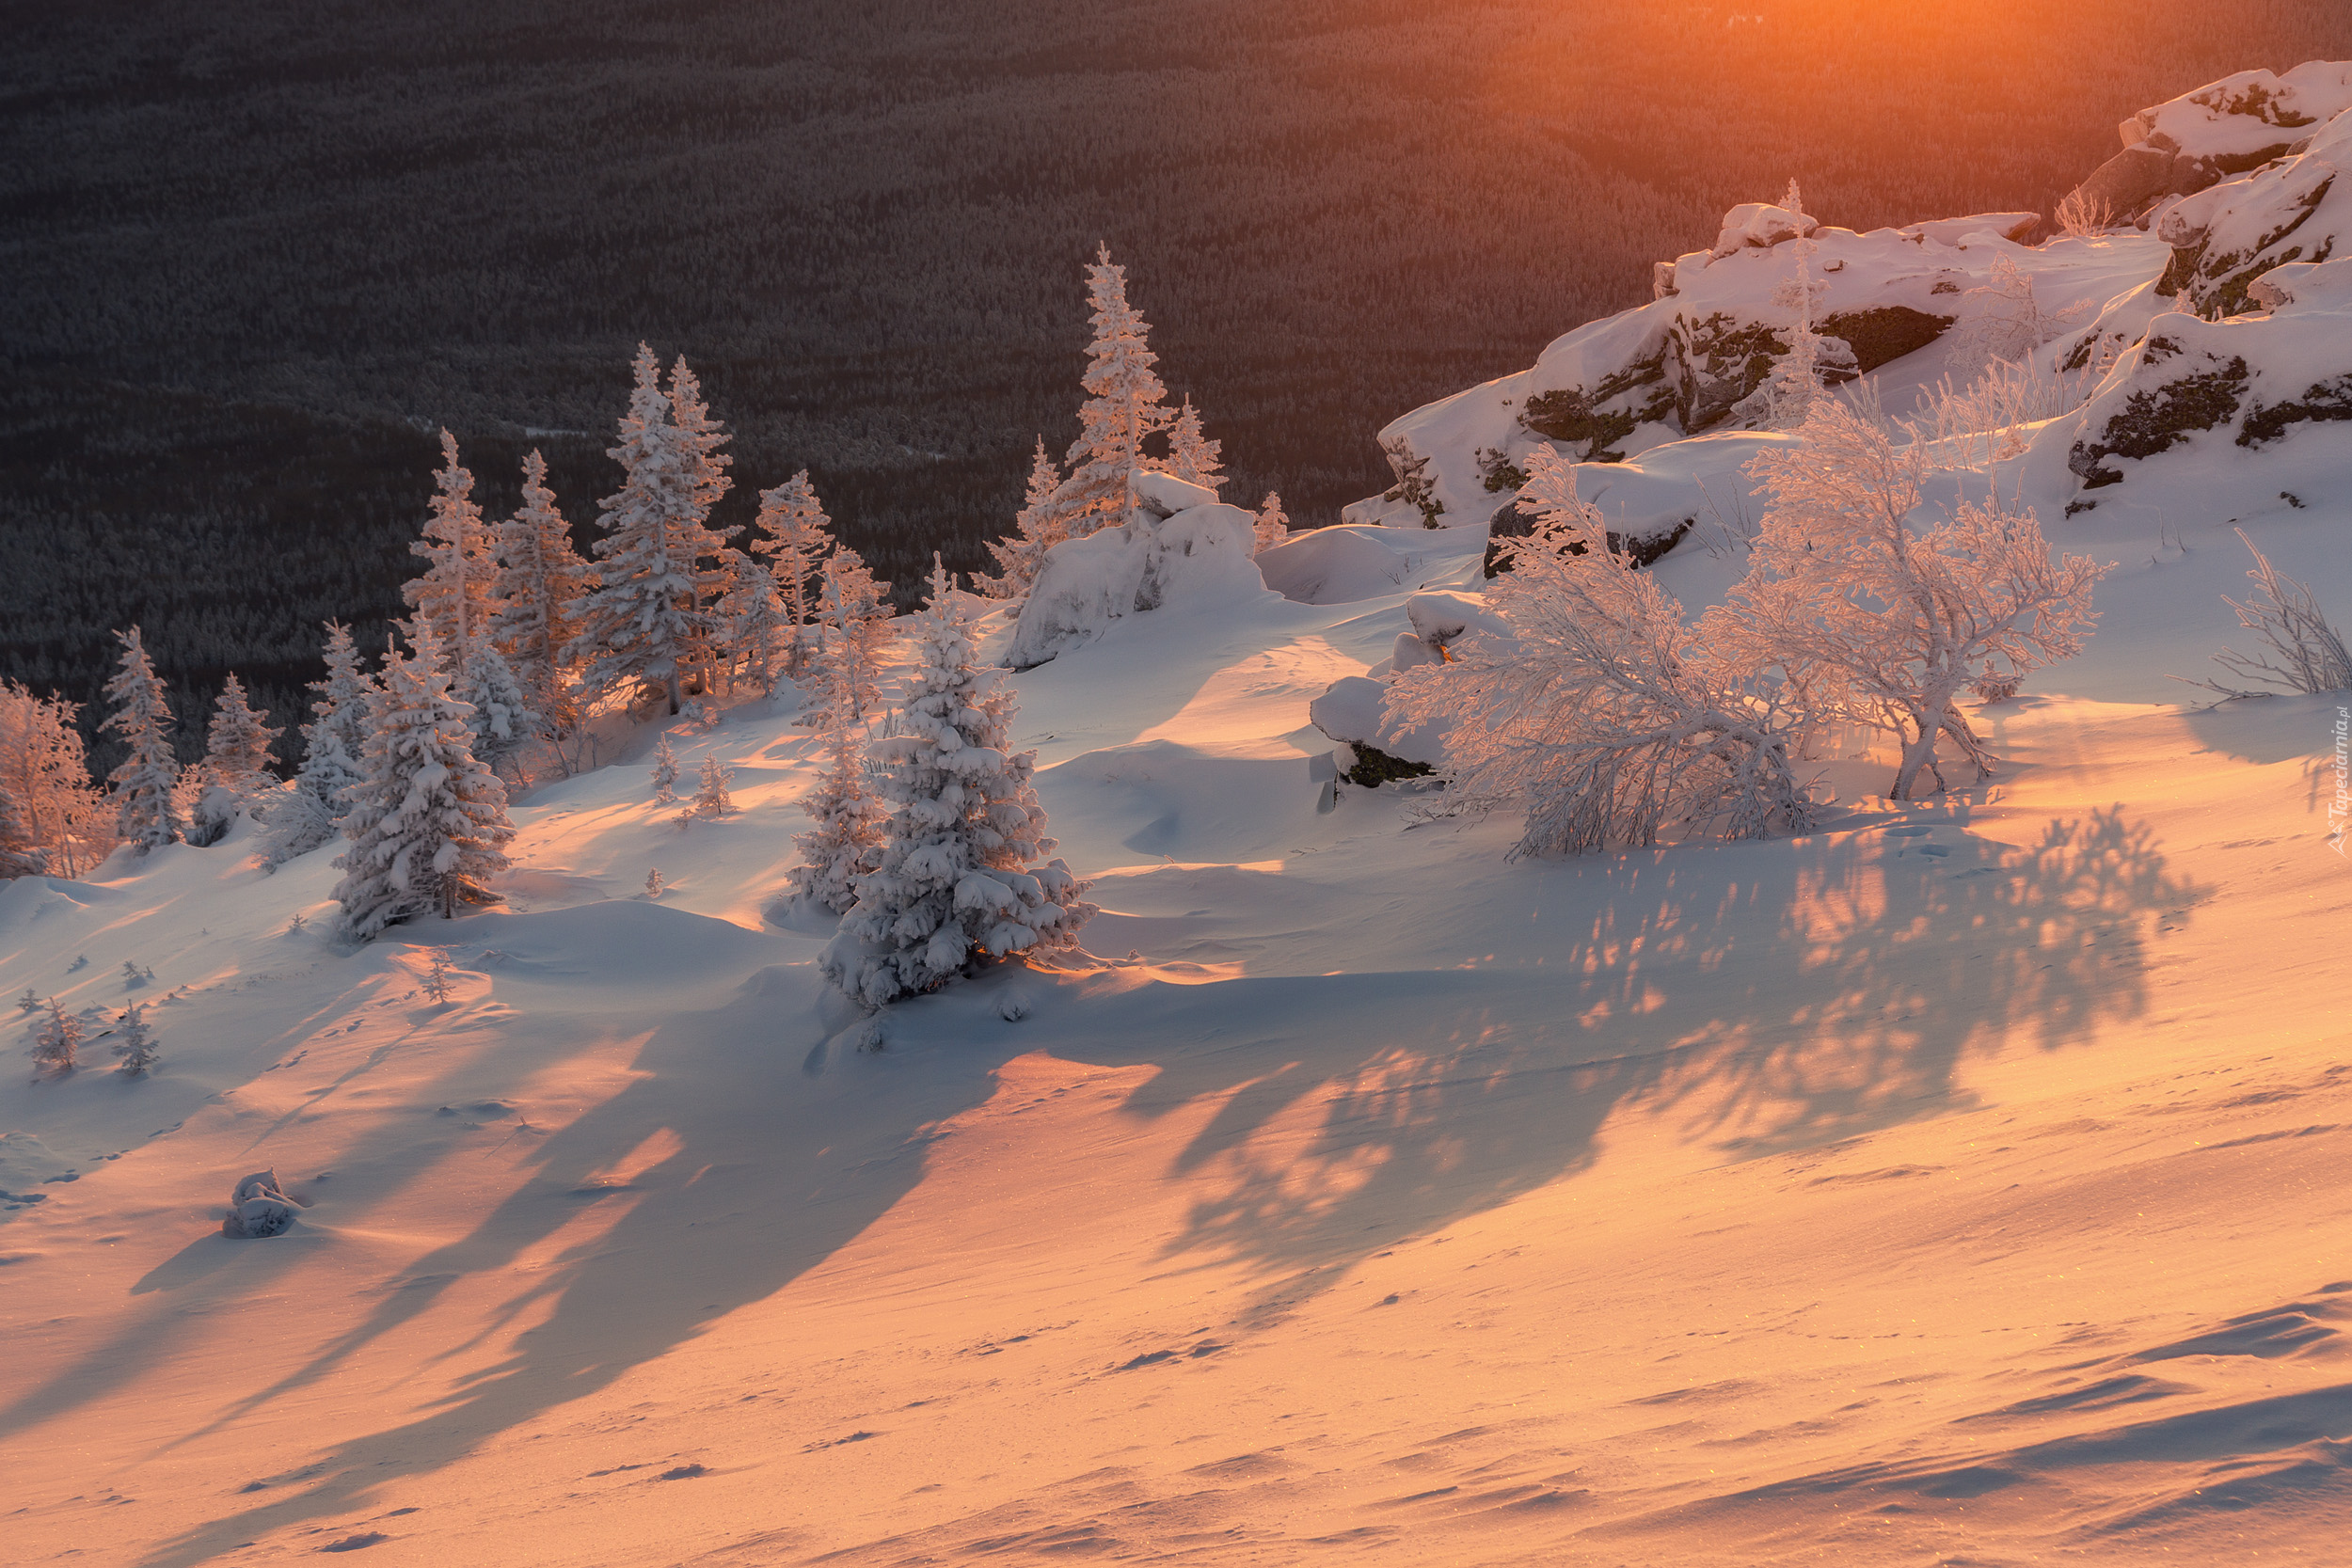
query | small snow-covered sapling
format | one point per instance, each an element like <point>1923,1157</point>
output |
<point>81,961</point>
<point>664,773</point>
<point>437,974</point>
<point>712,799</point>
<point>653,883</point>
<point>28,1004</point>
<point>57,1041</point>
<point>133,1045</point>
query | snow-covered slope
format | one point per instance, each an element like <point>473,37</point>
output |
<point>1955,1183</point>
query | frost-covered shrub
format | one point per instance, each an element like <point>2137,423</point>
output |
<point>258,1207</point>
<point>2303,652</point>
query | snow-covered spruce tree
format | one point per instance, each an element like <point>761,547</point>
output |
<point>1606,715</point>
<point>754,630</point>
<point>536,598</point>
<point>332,742</point>
<point>1886,622</point>
<point>136,1049</point>
<point>1038,527</point>
<point>1273,526</point>
<point>711,799</point>
<point>503,719</point>
<point>428,823</point>
<point>145,808</point>
<point>236,745</point>
<point>664,773</point>
<point>62,822</point>
<point>645,619</point>
<point>452,595</point>
<point>57,1042</point>
<point>958,884</point>
<point>856,619</point>
<point>850,819</point>
<point>793,533</point>
<point>1192,456</point>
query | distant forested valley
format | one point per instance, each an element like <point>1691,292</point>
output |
<point>252,258</point>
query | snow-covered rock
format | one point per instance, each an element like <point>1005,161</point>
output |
<point>2229,234</point>
<point>1183,546</point>
<point>1336,565</point>
<point>2224,128</point>
<point>2249,380</point>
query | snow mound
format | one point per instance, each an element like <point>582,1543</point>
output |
<point>1183,547</point>
<point>2223,128</point>
<point>1336,565</point>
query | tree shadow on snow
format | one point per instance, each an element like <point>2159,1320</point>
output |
<point>1763,998</point>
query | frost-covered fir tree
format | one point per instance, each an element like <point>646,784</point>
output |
<point>753,627</point>
<point>138,1050</point>
<point>452,596</point>
<point>428,825</point>
<point>57,1042</point>
<point>664,773</point>
<point>503,719</point>
<point>536,598</point>
<point>1192,456</point>
<point>857,631</point>
<point>236,747</point>
<point>959,883</point>
<point>645,621</point>
<point>1273,525</point>
<point>711,799</point>
<point>1037,529</point>
<point>793,533</point>
<point>146,812</point>
<point>847,839</point>
<point>332,742</point>
<point>1125,406</point>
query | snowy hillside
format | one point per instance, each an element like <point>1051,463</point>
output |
<point>1957,1180</point>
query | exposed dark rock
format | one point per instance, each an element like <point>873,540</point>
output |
<point>1575,414</point>
<point>2322,399</point>
<point>1884,334</point>
<point>2155,418</point>
<point>1510,524</point>
<point>1374,768</point>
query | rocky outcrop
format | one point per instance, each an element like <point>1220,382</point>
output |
<point>2224,128</point>
<point>2223,238</point>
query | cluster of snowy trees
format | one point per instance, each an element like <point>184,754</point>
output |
<point>1125,427</point>
<point>1612,718</point>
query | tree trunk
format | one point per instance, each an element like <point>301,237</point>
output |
<point>1918,757</point>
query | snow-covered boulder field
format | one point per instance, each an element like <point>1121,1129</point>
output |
<point>1963,1179</point>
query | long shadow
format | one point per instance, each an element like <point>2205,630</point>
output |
<point>1761,998</point>
<point>763,1170</point>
